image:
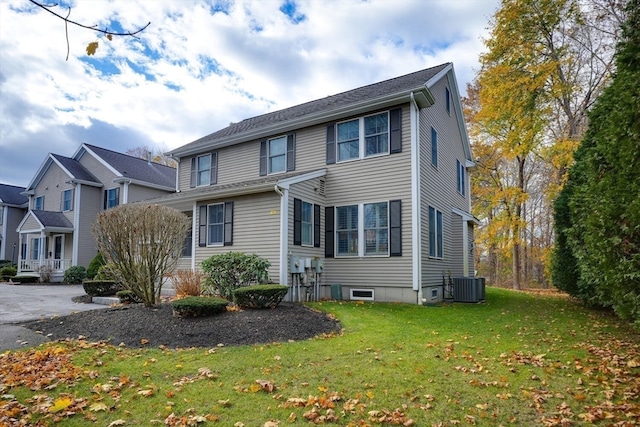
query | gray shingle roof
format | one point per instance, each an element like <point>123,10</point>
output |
<point>137,168</point>
<point>10,195</point>
<point>52,219</point>
<point>75,168</point>
<point>396,85</point>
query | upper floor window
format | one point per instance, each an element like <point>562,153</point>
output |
<point>66,201</point>
<point>278,154</point>
<point>434,147</point>
<point>367,136</point>
<point>204,169</point>
<point>375,140</point>
<point>435,233</point>
<point>111,197</point>
<point>447,100</point>
<point>38,203</point>
<point>460,174</point>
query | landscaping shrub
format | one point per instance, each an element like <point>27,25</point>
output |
<point>100,288</point>
<point>231,270</point>
<point>187,282</point>
<point>127,296</point>
<point>45,272</point>
<point>75,274</point>
<point>94,266</point>
<point>8,271</point>
<point>199,306</point>
<point>260,296</point>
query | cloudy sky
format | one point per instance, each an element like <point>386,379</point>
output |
<point>203,64</point>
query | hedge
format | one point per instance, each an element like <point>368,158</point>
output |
<point>100,288</point>
<point>260,296</point>
<point>199,306</point>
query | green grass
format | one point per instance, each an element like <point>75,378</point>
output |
<point>517,359</point>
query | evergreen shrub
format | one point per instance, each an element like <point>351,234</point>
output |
<point>260,296</point>
<point>193,306</point>
<point>100,288</point>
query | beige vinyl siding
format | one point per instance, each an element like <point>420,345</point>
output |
<point>51,186</point>
<point>91,204</point>
<point>99,170</point>
<point>256,229</point>
<point>369,180</point>
<point>140,193</point>
<point>439,187</point>
<point>31,224</point>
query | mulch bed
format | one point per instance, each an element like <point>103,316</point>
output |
<point>138,326</point>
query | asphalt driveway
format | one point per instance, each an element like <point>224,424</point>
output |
<point>22,303</point>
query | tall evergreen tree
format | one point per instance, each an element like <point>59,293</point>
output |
<point>604,187</point>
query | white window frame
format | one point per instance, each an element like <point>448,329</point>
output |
<point>360,241</point>
<point>39,200</point>
<point>460,175</point>
<point>207,172</point>
<point>306,224</point>
<point>362,138</point>
<point>211,243</point>
<point>64,200</point>
<point>377,230</point>
<point>434,147</point>
<point>271,156</point>
<point>436,236</point>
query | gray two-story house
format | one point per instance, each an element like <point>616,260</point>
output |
<point>369,189</point>
<point>13,205</point>
<point>67,193</point>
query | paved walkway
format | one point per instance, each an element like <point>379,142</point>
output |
<point>23,303</point>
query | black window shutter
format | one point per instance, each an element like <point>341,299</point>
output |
<point>104,203</point>
<point>291,152</point>
<point>329,236</point>
<point>316,226</point>
<point>214,168</point>
<point>395,228</point>
<point>395,128</point>
<point>228,223</point>
<point>193,172</point>
<point>202,229</point>
<point>297,222</point>
<point>263,158</point>
<point>331,144</point>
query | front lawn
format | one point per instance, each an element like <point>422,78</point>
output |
<point>517,359</point>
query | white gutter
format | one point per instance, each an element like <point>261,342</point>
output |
<point>416,253</point>
<point>193,235</point>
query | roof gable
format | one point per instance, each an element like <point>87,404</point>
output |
<point>134,168</point>
<point>320,109</point>
<point>47,220</point>
<point>12,195</point>
<point>69,166</point>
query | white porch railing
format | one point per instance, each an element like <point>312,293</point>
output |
<point>32,265</point>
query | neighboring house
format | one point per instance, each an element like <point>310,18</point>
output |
<point>13,205</point>
<point>67,193</point>
<point>371,183</point>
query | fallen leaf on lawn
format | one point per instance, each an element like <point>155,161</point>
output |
<point>146,392</point>
<point>266,385</point>
<point>117,423</point>
<point>98,406</point>
<point>60,404</point>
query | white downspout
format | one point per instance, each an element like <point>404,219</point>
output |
<point>284,220</point>
<point>193,235</point>
<point>416,233</point>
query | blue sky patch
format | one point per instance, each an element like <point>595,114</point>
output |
<point>221,6</point>
<point>290,9</point>
<point>103,65</point>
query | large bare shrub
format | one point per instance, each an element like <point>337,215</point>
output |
<point>187,282</point>
<point>143,242</point>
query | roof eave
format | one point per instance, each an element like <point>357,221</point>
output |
<point>422,95</point>
<point>122,180</point>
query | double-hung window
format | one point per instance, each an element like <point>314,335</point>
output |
<point>307,224</point>
<point>38,203</point>
<point>375,137</point>
<point>204,169</point>
<point>434,147</point>
<point>215,224</point>
<point>376,228</point>
<point>347,230</point>
<point>277,154</point>
<point>35,248</point>
<point>67,200</point>
<point>435,233</point>
<point>460,177</point>
<point>111,198</point>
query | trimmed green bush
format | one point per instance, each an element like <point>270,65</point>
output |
<point>231,270</point>
<point>8,271</point>
<point>260,296</point>
<point>75,274</point>
<point>95,264</point>
<point>127,296</point>
<point>199,306</point>
<point>100,288</point>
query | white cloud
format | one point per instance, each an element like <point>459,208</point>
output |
<point>193,70</point>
